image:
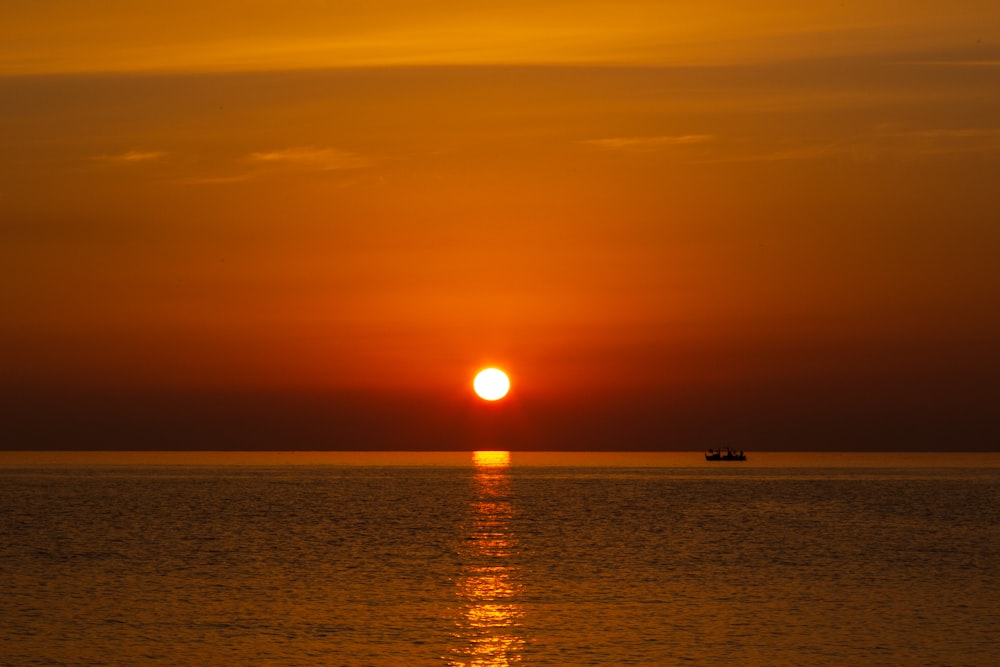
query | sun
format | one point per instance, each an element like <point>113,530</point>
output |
<point>491,384</point>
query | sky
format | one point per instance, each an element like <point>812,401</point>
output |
<point>306,224</point>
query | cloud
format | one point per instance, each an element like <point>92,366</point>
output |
<point>640,144</point>
<point>132,157</point>
<point>882,144</point>
<point>954,63</point>
<point>310,158</point>
<point>215,180</point>
<point>968,133</point>
<point>808,152</point>
<point>295,159</point>
<point>944,141</point>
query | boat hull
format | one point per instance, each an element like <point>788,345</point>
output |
<point>725,457</point>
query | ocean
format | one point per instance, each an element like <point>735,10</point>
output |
<point>499,559</point>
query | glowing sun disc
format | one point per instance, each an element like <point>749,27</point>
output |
<point>491,459</point>
<point>491,384</point>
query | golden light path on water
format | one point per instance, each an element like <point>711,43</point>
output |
<point>488,587</point>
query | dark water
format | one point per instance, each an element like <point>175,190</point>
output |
<point>546,561</point>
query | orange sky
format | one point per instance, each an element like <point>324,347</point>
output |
<point>306,224</point>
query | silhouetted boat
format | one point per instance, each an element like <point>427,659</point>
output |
<point>729,455</point>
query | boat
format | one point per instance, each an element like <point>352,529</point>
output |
<point>728,455</point>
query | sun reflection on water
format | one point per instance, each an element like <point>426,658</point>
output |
<point>488,587</point>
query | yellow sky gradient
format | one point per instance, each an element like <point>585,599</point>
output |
<point>671,223</point>
<point>112,36</point>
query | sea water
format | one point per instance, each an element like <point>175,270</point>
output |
<point>496,559</point>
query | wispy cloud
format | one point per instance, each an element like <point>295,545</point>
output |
<point>905,144</point>
<point>953,63</point>
<point>215,180</point>
<point>809,152</point>
<point>943,141</point>
<point>966,133</point>
<point>310,158</point>
<point>132,157</point>
<point>260,165</point>
<point>640,144</point>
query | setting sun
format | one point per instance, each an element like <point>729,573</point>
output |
<point>491,384</point>
<point>494,459</point>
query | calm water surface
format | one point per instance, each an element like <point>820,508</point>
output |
<point>490,559</point>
